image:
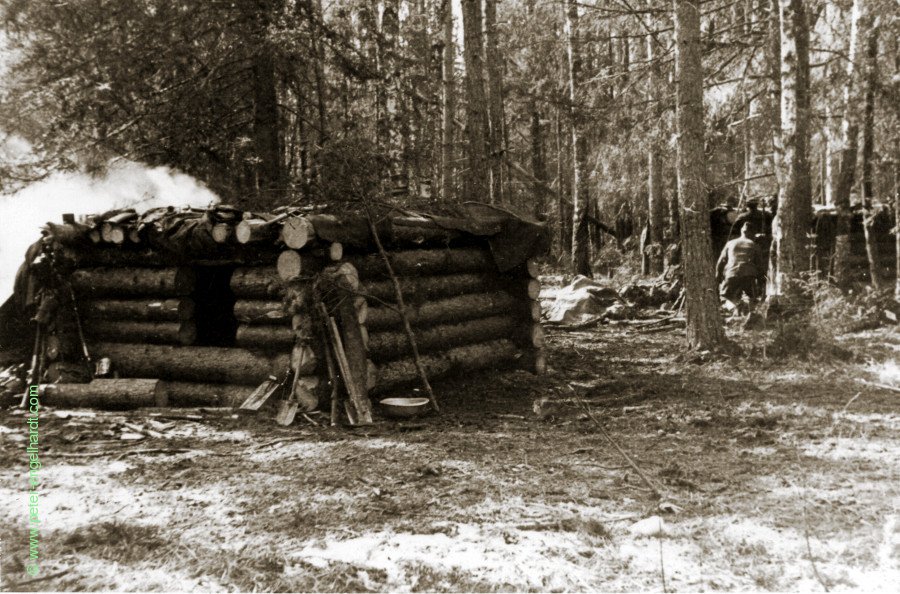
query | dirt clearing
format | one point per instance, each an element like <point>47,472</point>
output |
<point>775,477</point>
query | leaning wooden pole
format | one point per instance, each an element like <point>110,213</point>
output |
<point>420,368</point>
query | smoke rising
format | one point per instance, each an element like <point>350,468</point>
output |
<point>126,184</point>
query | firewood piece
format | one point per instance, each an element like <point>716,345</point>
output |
<point>306,392</point>
<point>463,307</point>
<point>222,233</point>
<point>255,230</point>
<point>261,394</point>
<point>256,282</point>
<point>113,233</point>
<point>461,359</point>
<point>121,282</point>
<point>297,232</point>
<point>359,408</point>
<point>426,288</point>
<point>303,360</point>
<point>280,338</point>
<point>335,251</point>
<point>200,364</point>
<point>426,262</point>
<point>144,310</point>
<point>184,332</point>
<point>113,394</point>
<point>384,346</point>
<point>260,312</point>
<point>292,264</point>
<point>189,394</point>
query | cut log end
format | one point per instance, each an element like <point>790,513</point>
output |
<point>222,232</point>
<point>335,251</point>
<point>297,232</point>
<point>290,265</point>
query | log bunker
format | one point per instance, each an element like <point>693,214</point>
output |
<point>202,307</point>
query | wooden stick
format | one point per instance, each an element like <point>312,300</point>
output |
<point>402,307</point>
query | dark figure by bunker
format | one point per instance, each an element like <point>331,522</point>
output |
<point>741,267</point>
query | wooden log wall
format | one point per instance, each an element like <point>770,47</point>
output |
<point>153,320</point>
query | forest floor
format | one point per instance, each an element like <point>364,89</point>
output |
<point>775,476</point>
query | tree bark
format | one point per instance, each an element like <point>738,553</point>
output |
<point>270,338</point>
<point>426,262</point>
<point>256,282</point>
<point>143,310</point>
<point>476,184</point>
<point>581,248</point>
<point>495,100</point>
<point>453,309</point>
<point>122,282</point>
<point>493,354</point>
<point>448,103</point>
<point>704,319</point>
<point>265,124</point>
<point>107,394</point>
<point>261,312</point>
<point>184,333</point>
<point>197,364</point>
<point>868,148</point>
<point>854,101</point>
<point>656,204</point>
<point>388,345</point>
<point>792,221</point>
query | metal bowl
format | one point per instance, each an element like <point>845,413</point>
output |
<point>404,407</point>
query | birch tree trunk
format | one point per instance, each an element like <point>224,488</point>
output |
<point>476,184</point>
<point>448,103</point>
<point>704,318</point>
<point>868,147</point>
<point>580,190</point>
<point>861,22</point>
<point>495,100</point>
<point>791,224</point>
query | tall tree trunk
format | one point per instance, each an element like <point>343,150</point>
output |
<point>704,318</point>
<point>476,184</point>
<point>656,204</point>
<point>538,163</point>
<point>773,59</point>
<point>792,221</point>
<point>448,103</point>
<point>861,23</point>
<point>565,233</point>
<point>265,126</point>
<point>495,99</point>
<point>868,147</point>
<point>390,135</point>
<point>581,248</point>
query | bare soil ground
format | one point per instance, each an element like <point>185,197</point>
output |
<point>776,476</point>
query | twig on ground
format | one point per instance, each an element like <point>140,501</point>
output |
<point>17,585</point>
<point>120,454</point>
<point>277,441</point>
<point>653,488</point>
<point>877,385</point>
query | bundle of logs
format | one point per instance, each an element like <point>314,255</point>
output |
<point>196,308</point>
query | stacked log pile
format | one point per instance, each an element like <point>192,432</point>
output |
<point>212,303</point>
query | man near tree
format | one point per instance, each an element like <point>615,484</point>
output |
<point>740,268</point>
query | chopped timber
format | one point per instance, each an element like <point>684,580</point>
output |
<point>422,288</point>
<point>303,360</point>
<point>306,392</point>
<point>272,338</point>
<point>426,262</point>
<point>121,282</point>
<point>291,264</point>
<point>493,354</point>
<point>384,346</point>
<point>453,309</point>
<point>197,364</point>
<point>222,233</point>
<point>112,394</point>
<point>184,332</point>
<point>358,406</point>
<point>256,282</point>
<point>255,230</point>
<point>112,233</point>
<point>296,232</point>
<point>143,310</point>
<point>260,312</point>
<point>188,394</point>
